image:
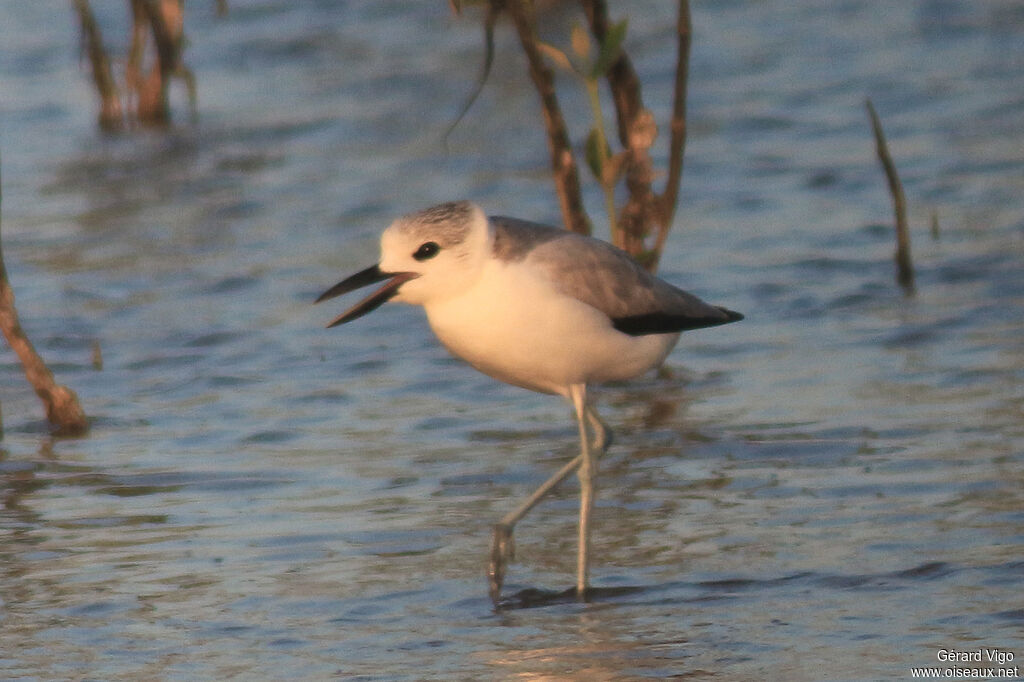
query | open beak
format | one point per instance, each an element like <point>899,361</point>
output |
<point>370,275</point>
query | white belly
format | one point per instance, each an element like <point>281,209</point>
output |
<point>516,328</point>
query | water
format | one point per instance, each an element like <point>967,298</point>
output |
<point>830,489</point>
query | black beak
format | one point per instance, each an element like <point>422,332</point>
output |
<point>363,278</point>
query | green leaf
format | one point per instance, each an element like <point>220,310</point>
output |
<point>611,47</point>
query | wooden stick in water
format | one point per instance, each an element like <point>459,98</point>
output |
<point>904,265</point>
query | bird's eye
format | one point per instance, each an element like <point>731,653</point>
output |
<point>427,250</point>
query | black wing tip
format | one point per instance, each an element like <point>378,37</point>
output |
<point>662,323</point>
<point>731,314</point>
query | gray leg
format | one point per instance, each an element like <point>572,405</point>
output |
<point>602,434</point>
<point>586,472</point>
<point>502,543</point>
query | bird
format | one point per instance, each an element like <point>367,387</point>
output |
<point>537,307</point>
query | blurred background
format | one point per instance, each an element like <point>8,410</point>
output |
<point>830,489</point>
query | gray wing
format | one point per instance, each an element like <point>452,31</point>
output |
<point>607,278</point>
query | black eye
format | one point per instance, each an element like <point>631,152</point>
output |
<point>426,250</point>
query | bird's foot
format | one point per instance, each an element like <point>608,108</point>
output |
<point>503,549</point>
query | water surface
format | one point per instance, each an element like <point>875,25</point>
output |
<point>830,489</point>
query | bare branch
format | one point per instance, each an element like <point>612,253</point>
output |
<point>165,21</point>
<point>136,52</point>
<point>622,78</point>
<point>677,145</point>
<point>904,266</point>
<point>165,18</point>
<point>637,132</point>
<point>644,210</point>
<point>63,410</point>
<point>563,162</point>
<point>110,99</point>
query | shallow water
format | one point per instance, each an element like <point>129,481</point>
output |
<point>830,489</point>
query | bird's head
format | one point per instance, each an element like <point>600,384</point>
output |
<point>426,256</point>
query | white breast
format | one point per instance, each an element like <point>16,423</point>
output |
<point>514,326</point>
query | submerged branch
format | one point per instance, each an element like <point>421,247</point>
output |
<point>63,410</point>
<point>904,265</point>
<point>165,21</point>
<point>110,98</point>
